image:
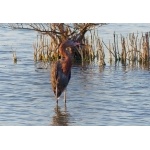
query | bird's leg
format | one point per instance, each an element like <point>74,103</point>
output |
<point>56,95</point>
<point>65,95</point>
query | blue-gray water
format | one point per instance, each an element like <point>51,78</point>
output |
<point>113,95</point>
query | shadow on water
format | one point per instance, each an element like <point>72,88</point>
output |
<point>61,117</point>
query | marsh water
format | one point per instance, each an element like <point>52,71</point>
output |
<point>112,95</point>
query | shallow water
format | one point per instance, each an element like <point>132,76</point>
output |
<point>113,95</point>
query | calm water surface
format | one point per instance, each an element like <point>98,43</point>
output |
<point>113,95</point>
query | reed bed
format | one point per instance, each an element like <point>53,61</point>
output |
<point>132,48</point>
<point>45,49</point>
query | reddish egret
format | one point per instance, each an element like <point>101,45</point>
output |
<point>61,70</point>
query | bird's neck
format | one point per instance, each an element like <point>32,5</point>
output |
<point>66,59</point>
<point>63,52</point>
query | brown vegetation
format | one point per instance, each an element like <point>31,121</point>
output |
<point>52,34</point>
<point>132,48</point>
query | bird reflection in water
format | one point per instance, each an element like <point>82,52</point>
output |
<point>61,117</point>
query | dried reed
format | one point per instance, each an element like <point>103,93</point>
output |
<point>130,49</point>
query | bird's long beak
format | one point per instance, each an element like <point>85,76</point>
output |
<point>77,43</point>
